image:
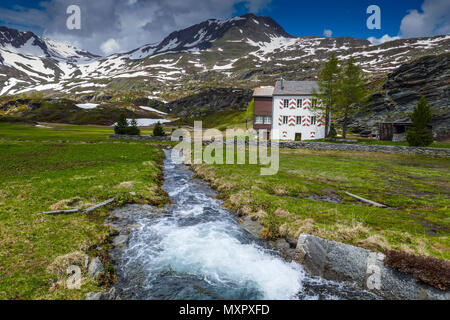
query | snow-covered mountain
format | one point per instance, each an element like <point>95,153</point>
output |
<point>27,43</point>
<point>243,51</point>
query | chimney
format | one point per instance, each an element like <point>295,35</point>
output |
<point>281,83</point>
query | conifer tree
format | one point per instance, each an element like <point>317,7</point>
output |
<point>133,128</point>
<point>158,130</point>
<point>351,93</point>
<point>328,88</point>
<point>121,126</point>
<point>418,135</point>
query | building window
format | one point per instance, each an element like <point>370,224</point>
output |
<point>267,120</point>
<point>286,103</point>
<point>285,119</point>
<point>313,120</point>
<point>299,119</point>
<point>299,103</point>
<point>259,119</point>
<point>314,103</point>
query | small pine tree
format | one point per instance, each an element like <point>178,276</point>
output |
<point>121,126</point>
<point>158,130</point>
<point>328,87</point>
<point>133,129</point>
<point>418,135</point>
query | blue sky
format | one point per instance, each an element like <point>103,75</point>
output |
<point>127,24</point>
<point>344,17</point>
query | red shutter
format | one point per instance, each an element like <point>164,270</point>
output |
<point>292,104</point>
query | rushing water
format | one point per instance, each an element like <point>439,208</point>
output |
<point>196,249</point>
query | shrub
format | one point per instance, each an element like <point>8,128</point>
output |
<point>158,130</point>
<point>418,135</point>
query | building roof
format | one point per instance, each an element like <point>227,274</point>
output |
<point>263,92</point>
<point>292,88</point>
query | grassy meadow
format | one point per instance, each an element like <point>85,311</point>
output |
<point>64,166</point>
<point>415,188</point>
<point>51,169</point>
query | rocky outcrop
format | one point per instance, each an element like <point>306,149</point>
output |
<point>427,76</point>
<point>209,101</point>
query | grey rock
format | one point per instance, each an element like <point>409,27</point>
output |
<point>345,262</point>
<point>395,284</point>
<point>436,294</point>
<point>94,296</point>
<point>110,295</point>
<point>311,252</point>
<point>95,268</point>
<point>120,242</point>
<point>282,244</point>
<point>253,227</point>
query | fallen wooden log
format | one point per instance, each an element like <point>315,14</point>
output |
<point>376,204</point>
<point>97,206</point>
<point>74,210</point>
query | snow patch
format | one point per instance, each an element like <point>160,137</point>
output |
<point>87,105</point>
<point>151,109</point>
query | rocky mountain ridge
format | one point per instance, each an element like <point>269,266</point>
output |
<point>243,51</point>
<point>427,76</point>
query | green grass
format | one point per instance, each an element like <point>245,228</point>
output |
<point>416,187</point>
<point>43,173</point>
<point>58,132</point>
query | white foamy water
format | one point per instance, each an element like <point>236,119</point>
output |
<point>211,252</point>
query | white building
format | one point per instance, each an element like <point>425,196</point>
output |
<point>294,114</point>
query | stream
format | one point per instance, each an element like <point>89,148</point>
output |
<point>195,249</point>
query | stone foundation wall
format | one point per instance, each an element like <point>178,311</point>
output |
<point>366,148</point>
<point>342,262</point>
<point>140,138</point>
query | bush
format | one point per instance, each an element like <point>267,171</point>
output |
<point>158,130</point>
<point>419,135</point>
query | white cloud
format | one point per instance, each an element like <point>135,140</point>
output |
<point>383,39</point>
<point>433,20</point>
<point>131,23</point>
<point>327,33</point>
<point>109,46</point>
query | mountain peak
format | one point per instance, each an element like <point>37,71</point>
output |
<point>28,43</point>
<point>202,35</point>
